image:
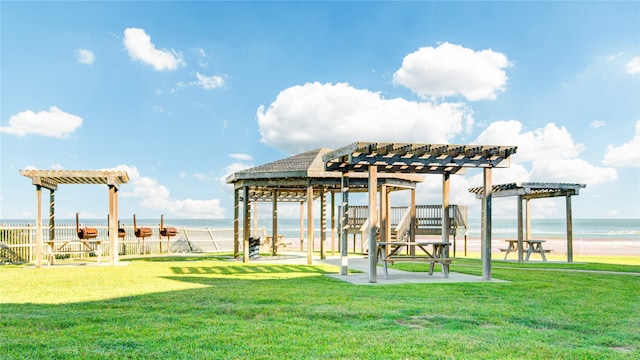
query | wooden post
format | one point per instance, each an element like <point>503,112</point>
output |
<point>245,224</point>
<point>344,224</point>
<point>236,223</point>
<point>52,215</point>
<point>414,223</point>
<point>38,226</point>
<point>527,215</point>
<point>254,217</point>
<point>310,235</point>
<point>385,222</point>
<point>486,226</point>
<point>323,223</point>
<point>113,225</point>
<point>333,223</point>
<point>520,230</point>
<point>274,224</point>
<point>373,222</point>
<point>301,225</point>
<point>569,230</point>
<point>446,222</point>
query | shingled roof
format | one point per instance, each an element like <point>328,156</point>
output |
<point>291,176</point>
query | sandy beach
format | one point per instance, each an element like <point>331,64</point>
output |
<point>558,247</point>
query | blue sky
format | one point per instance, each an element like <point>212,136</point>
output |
<point>181,94</point>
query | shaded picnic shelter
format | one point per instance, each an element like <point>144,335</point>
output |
<point>50,179</point>
<point>527,191</point>
<point>368,166</point>
<point>300,178</point>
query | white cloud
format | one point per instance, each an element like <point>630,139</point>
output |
<point>156,196</point>
<point>571,171</point>
<point>53,123</point>
<point>633,66</point>
<point>551,151</point>
<point>57,167</point>
<point>202,177</point>
<point>317,115</point>
<point>627,154</point>
<point>209,82</point>
<point>85,56</point>
<point>140,47</point>
<point>231,169</point>
<point>450,70</point>
<point>597,123</point>
<point>244,157</point>
<point>548,143</point>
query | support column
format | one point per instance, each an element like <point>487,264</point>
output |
<point>527,214</point>
<point>344,224</point>
<point>274,224</point>
<point>385,227</point>
<point>254,212</point>
<point>245,224</point>
<point>52,215</point>
<point>38,226</point>
<point>520,230</point>
<point>414,224</point>
<point>301,225</point>
<point>113,225</point>
<point>446,220</point>
<point>373,222</point>
<point>323,223</point>
<point>236,223</point>
<point>310,241</point>
<point>486,225</point>
<point>333,223</point>
<point>569,230</point>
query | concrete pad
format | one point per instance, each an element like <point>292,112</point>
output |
<point>361,264</point>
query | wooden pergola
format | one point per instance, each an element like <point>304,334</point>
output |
<point>300,178</point>
<point>536,190</point>
<point>50,179</point>
<point>410,158</point>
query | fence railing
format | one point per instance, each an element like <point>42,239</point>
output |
<point>18,241</point>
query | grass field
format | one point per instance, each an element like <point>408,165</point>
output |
<point>209,308</point>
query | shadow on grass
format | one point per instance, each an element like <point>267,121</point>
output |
<point>237,269</point>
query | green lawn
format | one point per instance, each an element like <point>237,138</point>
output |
<point>207,308</point>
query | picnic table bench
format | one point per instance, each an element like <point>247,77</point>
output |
<point>60,247</point>
<point>530,247</point>
<point>439,254</point>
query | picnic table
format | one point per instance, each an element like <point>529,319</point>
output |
<point>434,252</point>
<point>530,247</point>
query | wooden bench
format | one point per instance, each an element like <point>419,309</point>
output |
<point>445,262</point>
<point>280,243</point>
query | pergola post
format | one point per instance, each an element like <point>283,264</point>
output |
<point>310,229</point>
<point>254,217</point>
<point>385,229</point>
<point>344,224</point>
<point>373,222</point>
<point>333,223</point>
<point>274,224</point>
<point>38,226</point>
<point>323,223</point>
<point>245,224</point>
<point>569,230</point>
<point>414,225</point>
<point>52,215</point>
<point>301,225</point>
<point>446,225</point>
<point>113,224</point>
<point>236,223</point>
<point>520,230</point>
<point>486,225</point>
<point>527,209</point>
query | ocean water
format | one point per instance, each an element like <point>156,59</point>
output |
<point>604,229</point>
